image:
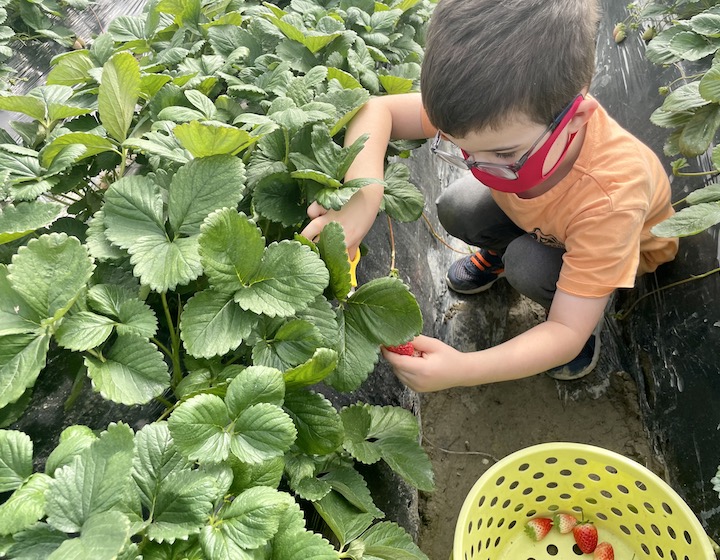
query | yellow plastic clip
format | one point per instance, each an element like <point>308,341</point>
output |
<point>353,268</point>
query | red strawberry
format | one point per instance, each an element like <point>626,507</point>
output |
<point>586,536</point>
<point>565,522</point>
<point>604,551</point>
<point>538,528</point>
<point>406,349</point>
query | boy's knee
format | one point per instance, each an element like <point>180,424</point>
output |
<point>533,269</point>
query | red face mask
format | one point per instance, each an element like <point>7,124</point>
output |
<point>529,169</point>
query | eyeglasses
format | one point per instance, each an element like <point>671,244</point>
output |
<point>502,170</point>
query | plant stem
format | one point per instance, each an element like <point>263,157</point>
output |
<point>162,347</point>
<point>123,163</point>
<point>175,342</point>
<point>695,173</point>
<point>621,316</point>
<point>436,235</point>
<point>392,245</point>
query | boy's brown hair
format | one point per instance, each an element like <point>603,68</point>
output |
<point>487,59</point>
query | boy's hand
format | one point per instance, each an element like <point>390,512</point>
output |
<point>356,217</point>
<point>436,368</point>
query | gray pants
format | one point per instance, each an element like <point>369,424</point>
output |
<point>467,211</point>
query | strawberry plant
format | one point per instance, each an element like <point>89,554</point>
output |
<point>150,203</point>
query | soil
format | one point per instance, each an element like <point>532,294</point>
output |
<point>467,430</point>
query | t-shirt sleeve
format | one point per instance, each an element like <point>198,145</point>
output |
<point>602,253</point>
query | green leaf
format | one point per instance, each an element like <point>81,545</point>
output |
<point>84,330</point>
<point>71,69</point>
<point>699,132</point>
<point>212,324</point>
<point>709,193</point>
<point>25,506</point>
<point>396,84</point>
<point>97,481</point>
<point>133,210</point>
<point>16,450</point>
<point>22,357</point>
<point>133,371</point>
<point>684,98</point>
<point>118,94</point>
<point>334,252</point>
<point>181,506</point>
<point>49,273</point>
<point>136,317</point>
<point>26,104</point>
<point>357,422</point>
<point>292,344</point>
<point>350,484</point>
<point>73,441</point>
<point>163,264</point>
<point>389,541</point>
<point>277,281</point>
<point>26,217</point>
<point>201,187</point>
<point>356,357</point>
<point>199,428</point>
<point>407,458</point>
<point>710,85</point>
<point>689,221</point>
<point>402,200</point>
<point>261,432</point>
<point>255,384</point>
<point>279,197</point>
<point>203,139</point>
<point>231,249</point>
<point>289,277</point>
<point>318,177</point>
<point>16,316</point>
<point>345,520</point>
<point>103,536</point>
<point>320,430</point>
<point>313,371</point>
<point>156,458</point>
<point>384,311</point>
<point>37,542</point>
<point>691,46</point>
<point>706,24</point>
<point>93,143</point>
<point>268,473</point>
<point>249,522</point>
<point>301,546</point>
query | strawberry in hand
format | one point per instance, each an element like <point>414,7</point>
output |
<point>406,349</point>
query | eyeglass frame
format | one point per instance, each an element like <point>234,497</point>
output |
<point>512,168</point>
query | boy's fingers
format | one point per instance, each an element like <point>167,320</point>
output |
<point>315,210</point>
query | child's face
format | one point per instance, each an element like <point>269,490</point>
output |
<point>509,142</point>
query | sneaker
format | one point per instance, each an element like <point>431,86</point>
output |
<point>475,273</point>
<point>582,364</point>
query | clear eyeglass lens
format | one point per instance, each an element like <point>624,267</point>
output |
<point>452,159</point>
<point>502,172</point>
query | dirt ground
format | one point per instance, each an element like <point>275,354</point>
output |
<point>467,430</point>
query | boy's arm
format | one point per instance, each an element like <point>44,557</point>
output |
<point>383,118</point>
<point>554,342</point>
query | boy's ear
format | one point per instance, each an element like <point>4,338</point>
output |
<point>584,111</point>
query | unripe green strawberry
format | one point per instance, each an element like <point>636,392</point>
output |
<point>648,34</point>
<point>620,32</point>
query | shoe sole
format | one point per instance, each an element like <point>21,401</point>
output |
<point>587,370</point>
<point>482,288</point>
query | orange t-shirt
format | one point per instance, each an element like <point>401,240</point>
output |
<point>602,212</point>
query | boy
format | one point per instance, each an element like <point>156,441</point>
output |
<point>559,198</point>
